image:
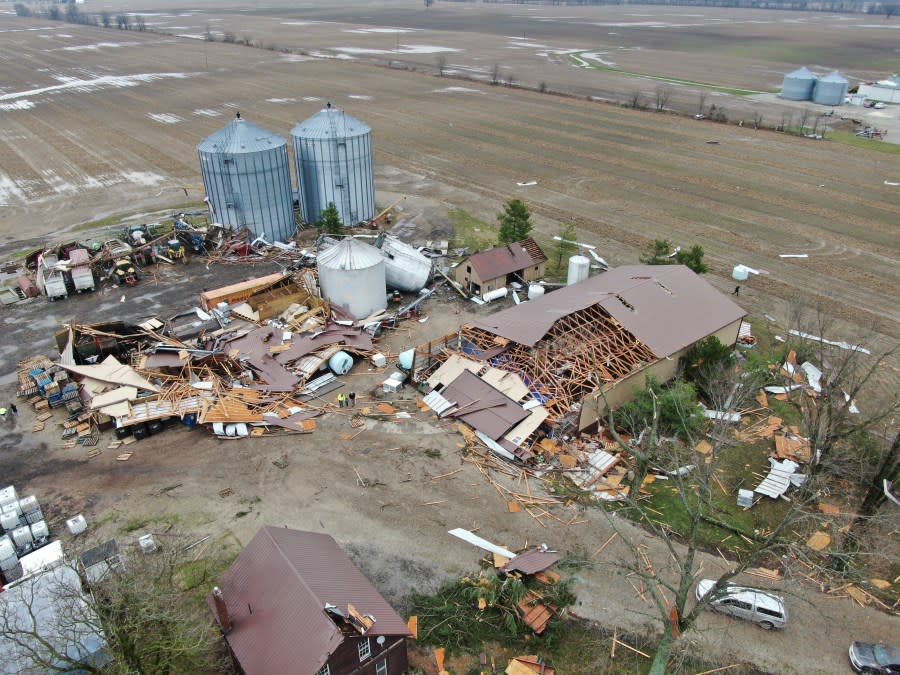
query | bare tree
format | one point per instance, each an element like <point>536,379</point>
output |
<point>662,95</point>
<point>847,370</point>
<point>701,102</point>
<point>142,614</point>
<point>636,99</point>
<point>804,119</point>
<point>48,625</point>
<point>105,18</point>
<point>670,577</point>
<point>757,120</point>
<point>441,62</point>
<point>140,23</point>
<point>495,74</point>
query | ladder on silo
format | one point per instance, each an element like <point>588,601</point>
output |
<point>339,153</point>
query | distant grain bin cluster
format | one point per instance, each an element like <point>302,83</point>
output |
<point>805,85</point>
<point>247,177</point>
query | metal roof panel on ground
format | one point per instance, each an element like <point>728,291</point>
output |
<point>276,591</point>
<point>532,562</point>
<point>483,407</point>
<point>667,307</point>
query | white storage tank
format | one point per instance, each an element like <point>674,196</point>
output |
<point>40,531</point>
<point>76,525</point>
<point>535,291</point>
<point>145,541</point>
<point>28,504</point>
<point>12,507</point>
<point>405,268</point>
<point>247,176</point>
<point>351,275</point>
<point>8,556</point>
<point>579,269</point>
<point>340,363</point>
<point>496,294</point>
<point>22,537</point>
<point>333,154</point>
<point>8,495</point>
<point>9,521</point>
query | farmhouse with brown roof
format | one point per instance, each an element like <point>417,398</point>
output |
<point>494,268</point>
<point>293,602</point>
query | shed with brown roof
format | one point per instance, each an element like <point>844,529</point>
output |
<point>494,268</point>
<point>293,602</point>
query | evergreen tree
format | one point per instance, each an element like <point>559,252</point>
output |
<point>515,222</point>
<point>329,221</point>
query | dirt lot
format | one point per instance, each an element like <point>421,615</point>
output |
<point>123,139</point>
<point>395,529</point>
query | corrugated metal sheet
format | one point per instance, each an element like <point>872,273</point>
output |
<point>350,254</point>
<point>667,307</point>
<point>276,591</point>
<point>241,136</point>
<point>532,562</point>
<point>482,407</point>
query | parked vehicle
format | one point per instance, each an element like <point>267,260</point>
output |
<point>50,280</point>
<point>763,608</point>
<point>81,273</point>
<point>866,657</point>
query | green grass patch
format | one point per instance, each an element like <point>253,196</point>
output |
<point>471,232</point>
<point>585,63</point>
<point>737,467</point>
<point>163,522</point>
<point>850,138</point>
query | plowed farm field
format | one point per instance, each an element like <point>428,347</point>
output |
<point>98,122</point>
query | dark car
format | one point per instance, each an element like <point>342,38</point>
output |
<point>870,658</point>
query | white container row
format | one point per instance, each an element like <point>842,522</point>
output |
<point>8,495</point>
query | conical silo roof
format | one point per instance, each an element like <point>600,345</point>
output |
<point>802,73</point>
<point>241,136</point>
<point>350,254</point>
<point>330,122</point>
<point>834,76</point>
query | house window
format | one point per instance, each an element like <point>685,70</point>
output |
<point>324,670</point>
<point>365,651</point>
<point>381,667</point>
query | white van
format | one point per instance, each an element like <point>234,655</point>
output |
<point>763,608</point>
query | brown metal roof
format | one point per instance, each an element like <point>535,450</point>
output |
<point>667,307</point>
<point>483,407</point>
<point>502,260</point>
<point>276,591</point>
<point>532,562</point>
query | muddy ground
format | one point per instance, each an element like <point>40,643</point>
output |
<point>88,149</point>
<point>396,527</point>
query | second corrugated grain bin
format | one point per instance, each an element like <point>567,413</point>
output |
<point>333,153</point>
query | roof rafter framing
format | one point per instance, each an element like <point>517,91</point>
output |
<point>581,352</point>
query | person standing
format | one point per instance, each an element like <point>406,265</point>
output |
<point>14,409</point>
<point>340,400</point>
<point>352,399</point>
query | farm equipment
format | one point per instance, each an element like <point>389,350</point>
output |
<point>176,251</point>
<point>872,132</point>
<point>124,272</point>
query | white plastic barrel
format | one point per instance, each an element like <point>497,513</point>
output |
<point>535,291</point>
<point>340,363</point>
